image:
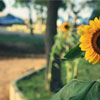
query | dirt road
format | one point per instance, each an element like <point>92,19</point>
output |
<point>12,68</point>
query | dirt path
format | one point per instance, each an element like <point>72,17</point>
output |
<point>10,69</point>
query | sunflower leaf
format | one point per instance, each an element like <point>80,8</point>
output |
<point>78,90</point>
<point>73,53</point>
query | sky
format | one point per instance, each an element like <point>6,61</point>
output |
<point>23,12</point>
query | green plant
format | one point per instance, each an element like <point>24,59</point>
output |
<point>78,90</point>
<point>89,48</point>
<point>32,87</point>
<point>64,41</point>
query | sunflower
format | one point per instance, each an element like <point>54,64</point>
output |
<point>66,27</point>
<point>90,41</point>
<point>82,29</point>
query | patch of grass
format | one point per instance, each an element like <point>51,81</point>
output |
<point>13,38</point>
<point>88,71</point>
<point>15,43</point>
<point>33,87</point>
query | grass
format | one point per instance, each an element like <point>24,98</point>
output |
<point>13,38</point>
<point>88,71</point>
<point>15,43</point>
<point>33,87</point>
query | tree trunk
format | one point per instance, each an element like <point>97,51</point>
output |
<point>51,31</point>
<point>30,17</point>
<point>56,83</point>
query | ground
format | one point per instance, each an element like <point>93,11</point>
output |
<point>12,68</point>
<point>17,57</point>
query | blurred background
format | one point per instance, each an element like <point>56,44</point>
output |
<point>27,30</point>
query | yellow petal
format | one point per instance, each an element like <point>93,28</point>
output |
<point>95,60</point>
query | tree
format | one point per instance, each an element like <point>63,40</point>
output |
<point>29,5</point>
<point>96,8</point>
<point>2,5</point>
<point>82,4</point>
<point>39,5</point>
<point>51,31</point>
<point>39,8</point>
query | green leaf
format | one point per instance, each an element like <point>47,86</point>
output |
<point>73,53</point>
<point>78,90</point>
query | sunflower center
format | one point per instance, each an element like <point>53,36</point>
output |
<point>66,26</point>
<point>96,41</point>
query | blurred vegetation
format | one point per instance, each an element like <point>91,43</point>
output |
<point>61,45</point>
<point>32,88</point>
<point>42,3</point>
<point>25,39</point>
<point>2,5</point>
<point>58,48</point>
<point>95,5</point>
<point>38,2</point>
<point>17,45</point>
<point>39,5</point>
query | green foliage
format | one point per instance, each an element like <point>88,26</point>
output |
<point>86,71</point>
<point>2,5</point>
<point>22,3</point>
<point>95,14</point>
<point>61,45</point>
<point>12,38</point>
<point>29,43</point>
<point>37,2</point>
<point>33,87</point>
<point>73,53</point>
<point>42,3</point>
<point>78,90</point>
<point>94,3</point>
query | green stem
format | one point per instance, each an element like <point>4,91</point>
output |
<point>69,72</point>
<point>75,71</point>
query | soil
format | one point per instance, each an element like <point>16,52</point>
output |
<point>12,68</point>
